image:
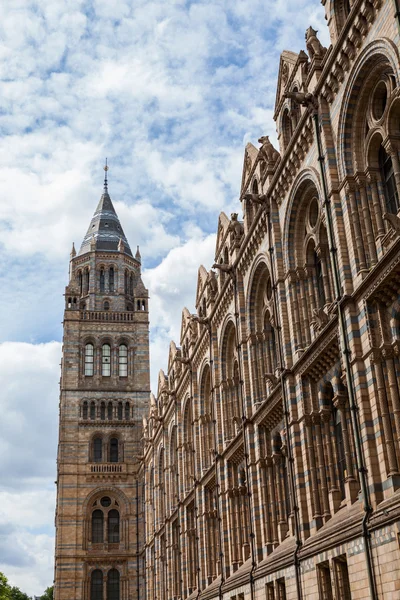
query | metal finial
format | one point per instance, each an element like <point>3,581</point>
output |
<point>106,168</point>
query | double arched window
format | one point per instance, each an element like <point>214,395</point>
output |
<point>100,451</point>
<point>105,521</point>
<point>97,585</point>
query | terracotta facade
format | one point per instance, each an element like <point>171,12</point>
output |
<point>272,450</point>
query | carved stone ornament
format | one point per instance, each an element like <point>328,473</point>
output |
<point>285,73</point>
<point>313,45</point>
<point>268,153</point>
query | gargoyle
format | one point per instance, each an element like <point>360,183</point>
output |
<point>268,152</point>
<point>181,359</point>
<point>320,317</point>
<point>222,267</point>
<point>212,282</point>
<point>271,378</point>
<point>307,100</point>
<point>313,45</point>
<point>235,227</point>
<point>201,320</point>
<point>393,221</point>
<point>256,198</point>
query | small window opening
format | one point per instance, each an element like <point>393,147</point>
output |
<point>114,450</point>
<point>97,449</point>
<point>89,355</point>
<point>97,527</point>
<point>106,360</point>
<point>111,279</point>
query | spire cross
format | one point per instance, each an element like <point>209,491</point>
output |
<point>106,167</point>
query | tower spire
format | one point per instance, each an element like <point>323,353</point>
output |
<point>106,168</point>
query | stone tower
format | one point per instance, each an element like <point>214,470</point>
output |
<point>104,395</point>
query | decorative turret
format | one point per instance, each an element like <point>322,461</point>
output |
<point>105,231</point>
<point>138,255</point>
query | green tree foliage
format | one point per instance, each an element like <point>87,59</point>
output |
<point>11,593</point>
<point>16,594</point>
<point>48,595</point>
<point>4,588</point>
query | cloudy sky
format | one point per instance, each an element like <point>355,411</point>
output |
<point>170,91</point>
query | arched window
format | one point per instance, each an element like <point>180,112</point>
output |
<point>89,355</point>
<point>80,282</point>
<point>102,280</point>
<point>103,411</point>
<point>113,450</point>
<point>110,411</point>
<point>85,410</point>
<point>106,360</point>
<point>97,449</point>
<point>287,130</point>
<point>113,585</point>
<point>388,181</point>
<point>126,282</point>
<point>106,305</point>
<point>97,527</point>
<point>92,411</point>
<point>131,285</point>
<point>120,411</point>
<point>111,279</point>
<point>123,360</point>
<point>113,527</point>
<point>319,280</point>
<point>96,585</point>
<point>87,279</point>
<point>127,411</point>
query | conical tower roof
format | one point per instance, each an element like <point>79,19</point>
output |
<point>105,231</point>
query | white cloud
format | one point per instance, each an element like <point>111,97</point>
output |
<point>170,92</point>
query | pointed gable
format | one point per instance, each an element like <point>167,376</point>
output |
<point>173,351</point>
<point>105,232</point>
<point>202,278</point>
<point>162,382</point>
<point>287,64</point>
<point>249,160</point>
<point>186,317</point>
<point>223,225</point>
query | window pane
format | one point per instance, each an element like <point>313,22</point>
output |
<point>96,588</point>
<point>106,360</point>
<point>97,527</point>
<point>113,585</point>
<point>110,411</point>
<point>89,352</point>
<point>123,361</point>
<point>97,449</point>
<point>85,410</point>
<point>103,411</point>
<point>92,411</point>
<point>120,411</point>
<point>113,526</point>
<point>102,281</point>
<point>127,411</point>
<point>111,279</point>
<point>113,450</point>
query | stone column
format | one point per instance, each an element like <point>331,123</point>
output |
<point>367,222</point>
<point>376,203</point>
<point>313,472</point>
<point>385,415</point>
<point>355,219</point>
<point>334,492</point>
<point>321,465</point>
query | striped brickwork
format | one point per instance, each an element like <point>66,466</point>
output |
<point>275,508</point>
<point>103,407</point>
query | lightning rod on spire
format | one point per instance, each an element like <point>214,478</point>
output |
<point>106,168</point>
